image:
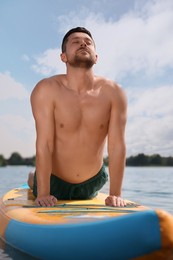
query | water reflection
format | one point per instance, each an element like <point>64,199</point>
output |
<point>10,253</point>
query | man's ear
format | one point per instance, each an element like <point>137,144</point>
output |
<point>96,58</point>
<point>63,57</point>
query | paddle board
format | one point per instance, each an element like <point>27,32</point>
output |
<point>84,229</point>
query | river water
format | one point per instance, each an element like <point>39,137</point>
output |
<point>150,186</point>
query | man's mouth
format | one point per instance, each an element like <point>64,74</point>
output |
<point>83,50</point>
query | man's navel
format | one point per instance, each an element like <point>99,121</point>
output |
<point>101,126</point>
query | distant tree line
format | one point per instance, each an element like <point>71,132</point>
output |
<point>138,160</point>
<point>146,160</point>
<point>17,159</point>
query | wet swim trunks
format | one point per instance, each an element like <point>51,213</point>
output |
<point>69,191</point>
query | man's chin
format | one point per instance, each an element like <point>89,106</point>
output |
<point>83,61</point>
<point>82,64</point>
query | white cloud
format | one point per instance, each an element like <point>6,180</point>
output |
<point>150,121</point>
<point>11,88</point>
<point>17,134</point>
<point>138,41</point>
<point>16,131</point>
<point>49,63</point>
<point>151,102</point>
<point>155,7</point>
<point>135,43</point>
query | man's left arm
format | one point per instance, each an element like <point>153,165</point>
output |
<point>117,147</point>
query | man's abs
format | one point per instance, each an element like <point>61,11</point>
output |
<point>75,163</point>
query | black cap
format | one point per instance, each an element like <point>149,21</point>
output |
<point>73,30</point>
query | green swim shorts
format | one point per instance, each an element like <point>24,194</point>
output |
<point>63,190</point>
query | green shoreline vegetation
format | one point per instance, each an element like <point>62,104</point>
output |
<point>138,160</point>
<point>142,160</point>
<point>17,159</point>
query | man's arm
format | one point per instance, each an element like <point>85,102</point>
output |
<point>117,147</point>
<point>43,111</point>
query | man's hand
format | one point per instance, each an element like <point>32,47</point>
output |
<point>46,201</point>
<point>115,201</point>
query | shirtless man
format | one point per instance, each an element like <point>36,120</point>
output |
<point>74,114</point>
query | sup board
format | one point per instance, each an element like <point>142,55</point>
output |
<point>84,229</point>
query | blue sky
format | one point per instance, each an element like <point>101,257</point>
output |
<point>134,41</point>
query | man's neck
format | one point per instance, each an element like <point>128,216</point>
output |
<point>80,79</point>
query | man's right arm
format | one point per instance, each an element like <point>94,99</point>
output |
<point>43,112</point>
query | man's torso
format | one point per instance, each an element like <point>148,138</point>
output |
<point>81,122</point>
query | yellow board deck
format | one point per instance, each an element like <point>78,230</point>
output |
<point>19,205</point>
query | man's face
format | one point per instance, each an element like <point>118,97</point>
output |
<point>80,51</point>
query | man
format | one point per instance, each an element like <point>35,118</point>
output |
<point>74,114</point>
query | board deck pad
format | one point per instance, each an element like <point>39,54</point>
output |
<point>20,206</point>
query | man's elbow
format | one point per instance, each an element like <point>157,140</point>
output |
<point>46,147</point>
<point>118,150</point>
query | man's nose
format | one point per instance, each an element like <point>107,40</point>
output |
<point>83,44</point>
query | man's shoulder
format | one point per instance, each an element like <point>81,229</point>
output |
<point>56,79</point>
<point>108,84</point>
<point>47,83</point>
<point>112,90</point>
<point>47,88</point>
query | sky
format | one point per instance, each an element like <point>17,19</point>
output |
<point>134,42</point>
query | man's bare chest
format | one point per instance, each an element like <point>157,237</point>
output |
<point>88,111</point>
